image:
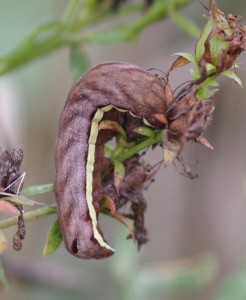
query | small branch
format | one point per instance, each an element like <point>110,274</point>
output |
<point>29,216</point>
<point>69,31</point>
<point>139,147</point>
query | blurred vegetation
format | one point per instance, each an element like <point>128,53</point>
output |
<point>78,27</point>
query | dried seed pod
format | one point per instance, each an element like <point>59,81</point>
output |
<point>10,162</point>
<point>189,117</point>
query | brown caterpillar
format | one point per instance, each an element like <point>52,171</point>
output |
<point>79,156</point>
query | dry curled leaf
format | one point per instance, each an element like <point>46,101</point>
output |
<point>20,234</point>
<point>10,162</point>
<point>136,177</point>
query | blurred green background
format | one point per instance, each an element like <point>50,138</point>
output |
<point>196,227</point>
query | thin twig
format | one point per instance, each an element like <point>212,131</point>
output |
<point>29,216</point>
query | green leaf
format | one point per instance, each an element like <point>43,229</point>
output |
<point>204,90</point>
<point>210,67</point>
<point>205,93</point>
<point>200,48</point>
<point>217,45</point>
<point>79,62</point>
<point>233,76</point>
<point>185,24</point>
<point>70,12</point>
<point>108,150</point>
<point>54,239</point>
<point>15,199</point>
<point>30,215</point>
<point>37,189</point>
<point>188,56</point>
<point>210,81</point>
<point>195,74</point>
<point>3,279</point>
<point>119,173</point>
<point>146,131</point>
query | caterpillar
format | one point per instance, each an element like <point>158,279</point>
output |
<point>79,156</point>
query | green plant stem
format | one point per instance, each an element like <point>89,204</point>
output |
<point>145,143</point>
<point>70,11</point>
<point>70,30</point>
<point>29,216</point>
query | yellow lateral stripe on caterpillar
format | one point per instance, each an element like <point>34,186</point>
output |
<point>89,177</point>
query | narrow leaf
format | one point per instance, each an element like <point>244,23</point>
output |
<point>54,239</point>
<point>17,199</point>
<point>37,189</point>
<point>205,93</point>
<point>210,67</point>
<point>71,11</point>
<point>21,200</point>
<point>217,47</point>
<point>195,74</point>
<point>210,81</point>
<point>233,76</point>
<point>200,48</point>
<point>30,216</point>
<point>185,24</point>
<point>119,173</point>
<point>188,56</point>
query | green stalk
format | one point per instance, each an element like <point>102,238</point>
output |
<point>69,30</point>
<point>146,143</point>
<point>29,216</point>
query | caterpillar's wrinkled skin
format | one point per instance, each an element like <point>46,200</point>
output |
<point>79,155</point>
